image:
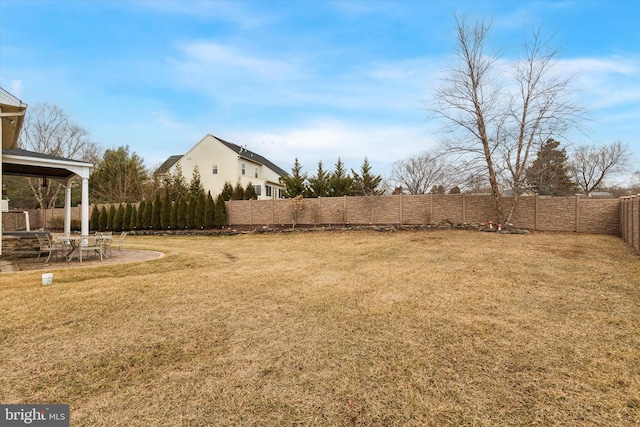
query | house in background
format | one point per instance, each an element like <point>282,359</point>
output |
<point>219,161</point>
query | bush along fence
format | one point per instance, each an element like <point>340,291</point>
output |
<point>630,221</point>
<point>537,213</point>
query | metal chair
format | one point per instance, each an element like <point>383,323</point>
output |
<point>121,242</point>
<point>47,247</point>
<point>89,244</point>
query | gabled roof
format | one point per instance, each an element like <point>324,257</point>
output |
<point>13,111</point>
<point>251,156</point>
<point>164,168</point>
<point>240,151</point>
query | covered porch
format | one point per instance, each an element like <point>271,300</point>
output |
<point>19,162</point>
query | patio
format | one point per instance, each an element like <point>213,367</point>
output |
<point>15,264</point>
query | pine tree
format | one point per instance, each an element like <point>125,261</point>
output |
<point>340,181</point>
<point>209,212</point>
<point>238,192</point>
<point>94,222</point>
<point>118,218</point>
<point>227,191</point>
<point>195,186</point>
<point>548,174</point>
<point>220,219</point>
<point>364,183</point>
<point>165,213</point>
<point>250,192</point>
<point>319,184</point>
<point>295,184</point>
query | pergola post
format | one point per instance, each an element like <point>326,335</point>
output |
<point>67,208</point>
<point>84,210</point>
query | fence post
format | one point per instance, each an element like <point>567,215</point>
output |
<point>535,213</point>
<point>431,207</point>
<point>401,213</point>
<point>577,213</point>
<point>346,216</point>
<point>464,209</point>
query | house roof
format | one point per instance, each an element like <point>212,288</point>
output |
<point>163,168</point>
<point>12,111</point>
<point>241,151</point>
<point>254,157</point>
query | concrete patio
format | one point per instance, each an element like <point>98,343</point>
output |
<point>10,264</point>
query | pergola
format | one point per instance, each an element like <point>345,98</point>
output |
<point>28,163</point>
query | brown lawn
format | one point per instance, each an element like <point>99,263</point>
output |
<point>334,329</point>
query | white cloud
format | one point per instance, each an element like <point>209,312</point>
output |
<point>327,139</point>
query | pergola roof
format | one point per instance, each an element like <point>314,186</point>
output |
<point>28,163</point>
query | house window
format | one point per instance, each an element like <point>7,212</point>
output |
<point>280,193</point>
<point>244,169</point>
<point>214,169</point>
<point>267,190</point>
<point>258,190</point>
<point>256,173</point>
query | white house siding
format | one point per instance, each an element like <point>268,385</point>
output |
<point>210,151</point>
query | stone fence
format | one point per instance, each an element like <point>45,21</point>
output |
<point>630,221</point>
<point>541,213</point>
<point>576,214</point>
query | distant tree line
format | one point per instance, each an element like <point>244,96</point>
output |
<point>336,183</point>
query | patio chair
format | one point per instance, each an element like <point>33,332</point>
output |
<point>105,238</point>
<point>90,244</point>
<point>48,247</point>
<point>121,242</point>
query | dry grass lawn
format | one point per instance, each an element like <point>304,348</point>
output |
<point>334,329</point>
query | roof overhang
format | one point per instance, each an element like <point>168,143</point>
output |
<point>27,163</point>
<point>12,112</point>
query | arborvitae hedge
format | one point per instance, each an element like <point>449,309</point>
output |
<point>146,216</point>
<point>182,213</point>
<point>220,217</point>
<point>165,212</point>
<point>104,216</point>
<point>140,215</point>
<point>133,218</point>
<point>209,212</point>
<point>118,218</point>
<point>126,220</point>
<point>110,215</point>
<point>94,222</point>
<point>155,213</point>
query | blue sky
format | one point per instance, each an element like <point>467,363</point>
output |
<point>315,80</point>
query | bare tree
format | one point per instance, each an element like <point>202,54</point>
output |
<point>418,174</point>
<point>495,115</point>
<point>118,177</point>
<point>47,129</point>
<point>591,165</point>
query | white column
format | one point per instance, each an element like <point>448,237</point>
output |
<point>84,212</point>
<point>67,209</point>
